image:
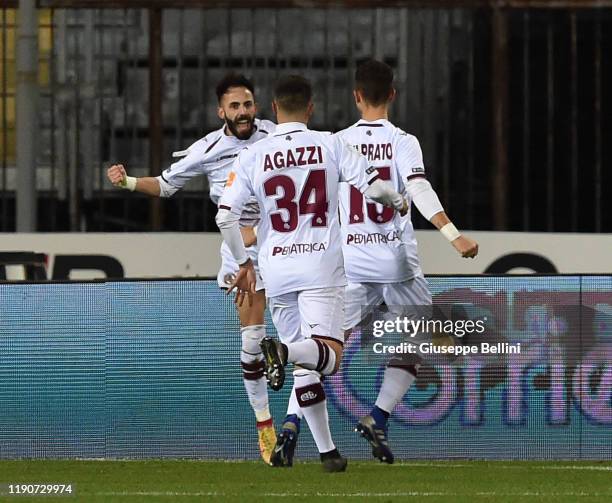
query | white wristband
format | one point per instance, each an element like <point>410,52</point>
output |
<point>450,232</point>
<point>129,183</point>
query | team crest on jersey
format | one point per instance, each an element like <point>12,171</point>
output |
<point>229,278</point>
<point>369,132</point>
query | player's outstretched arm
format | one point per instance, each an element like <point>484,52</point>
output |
<point>427,202</point>
<point>468,248</point>
<point>117,175</point>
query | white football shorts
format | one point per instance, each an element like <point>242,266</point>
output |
<point>410,298</point>
<point>317,312</point>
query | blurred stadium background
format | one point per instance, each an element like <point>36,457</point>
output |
<point>511,100</point>
<point>512,103</point>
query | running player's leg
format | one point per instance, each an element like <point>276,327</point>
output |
<point>322,316</point>
<point>321,313</point>
<point>400,374</point>
<point>410,299</point>
<point>361,300</point>
<point>286,317</point>
<point>252,331</point>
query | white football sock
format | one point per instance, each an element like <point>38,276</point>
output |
<point>312,354</point>
<point>395,385</point>
<point>311,398</point>
<point>251,359</point>
<point>294,407</point>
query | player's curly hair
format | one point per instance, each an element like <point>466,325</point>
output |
<point>233,80</point>
<point>375,81</point>
<point>293,93</point>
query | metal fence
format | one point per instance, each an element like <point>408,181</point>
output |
<point>511,105</point>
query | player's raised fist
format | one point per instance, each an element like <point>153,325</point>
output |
<point>116,175</point>
<point>468,248</point>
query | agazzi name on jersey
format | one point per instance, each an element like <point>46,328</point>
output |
<point>300,156</point>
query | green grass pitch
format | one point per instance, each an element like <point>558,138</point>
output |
<point>428,481</point>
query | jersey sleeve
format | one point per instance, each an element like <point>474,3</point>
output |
<point>353,167</point>
<point>238,188</point>
<point>409,157</point>
<point>191,165</point>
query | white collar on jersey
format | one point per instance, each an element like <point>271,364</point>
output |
<point>288,127</point>
<point>376,123</point>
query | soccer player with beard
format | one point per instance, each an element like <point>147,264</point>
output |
<point>379,246</point>
<point>213,156</point>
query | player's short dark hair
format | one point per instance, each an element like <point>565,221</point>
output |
<point>375,81</point>
<point>233,80</point>
<point>293,93</point>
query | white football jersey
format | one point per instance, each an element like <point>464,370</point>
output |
<point>379,245</point>
<point>214,156</point>
<point>295,175</point>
